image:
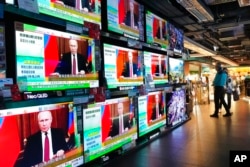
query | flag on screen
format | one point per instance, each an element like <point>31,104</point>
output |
<point>71,128</point>
<point>89,53</point>
<point>51,54</point>
<point>106,122</point>
<point>9,141</point>
<point>131,110</point>
<point>121,9</point>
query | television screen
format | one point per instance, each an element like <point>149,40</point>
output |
<point>76,11</point>
<point>126,17</point>
<point>122,66</point>
<point>47,59</point>
<point>157,66</point>
<point>108,126</point>
<point>156,30</point>
<point>176,39</point>
<point>176,107</point>
<point>151,112</point>
<point>176,70</point>
<point>43,134</point>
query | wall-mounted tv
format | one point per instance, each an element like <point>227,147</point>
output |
<point>176,39</point>
<point>156,30</point>
<point>47,59</point>
<point>176,70</point>
<point>151,112</point>
<point>109,126</point>
<point>176,107</point>
<point>122,66</point>
<point>157,66</point>
<point>76,11</point>
<point>126,17</point>
<point>27,128</point>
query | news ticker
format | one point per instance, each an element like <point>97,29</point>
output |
<point>239,158</point>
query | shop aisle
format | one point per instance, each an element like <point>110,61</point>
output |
<point>201,142</point>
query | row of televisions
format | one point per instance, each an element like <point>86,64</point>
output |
<point>124,17</point>
<point>92,131</point>
<point>39,50</point>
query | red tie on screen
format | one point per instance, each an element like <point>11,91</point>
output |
<point>74,65</point>
<point>78,4</point>
<point>46,148</point>
<point>130,70</point>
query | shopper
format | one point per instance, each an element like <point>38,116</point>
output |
<point>219,84</point>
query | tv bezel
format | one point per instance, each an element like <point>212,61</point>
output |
<point>169,70</point>
<point>105,24</point>
<point>155,44</point>
<point>69,35</point>
<point>119,44</point>
<point>124,139</point>
<point>22,108</point>
<point>159,123</point>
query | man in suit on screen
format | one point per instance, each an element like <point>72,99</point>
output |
<point>130,68</point>
<point>131,19</point>
<point>72,62</point>
<point>161,31</point>
<point>160,68</point>
<point>46,144</point>
<point>120,124</point>
<point>157,109</point>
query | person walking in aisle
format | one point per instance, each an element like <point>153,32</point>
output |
<point>229,88</point>
<point>219,91</point>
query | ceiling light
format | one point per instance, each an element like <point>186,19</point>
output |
<point>225,60</point>
<point>198,9</point>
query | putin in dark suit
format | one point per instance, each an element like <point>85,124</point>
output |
<point>157,109</point>
<point>46,144</point>
<point>130,68</point>
<point>72,62</point>
<point>120,124</point>
<point>131,19</point>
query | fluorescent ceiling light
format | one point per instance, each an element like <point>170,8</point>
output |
<point>198,9</point>
<point>192,45</point>
<point>225,60</point>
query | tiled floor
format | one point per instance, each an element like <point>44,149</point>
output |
<point>200,142</point>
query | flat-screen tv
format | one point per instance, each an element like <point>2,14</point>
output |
<point>76,11</point>
<point>176,70</point>
<point>156,30</point>
<point>48,59</point>
<point>109,126</point>
<point>156,65</point>
<point>122,66</point>
<point>126,17</point>
<point>151,112</point>
<point>26,128</point>
<point>176,39</point>
<point>176,107</point>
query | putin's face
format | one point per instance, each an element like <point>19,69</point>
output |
<point>130,56</point>
<point>73,46</point>
<point>156,98</point>
<point>44,120</point>
<point>120,108</point>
